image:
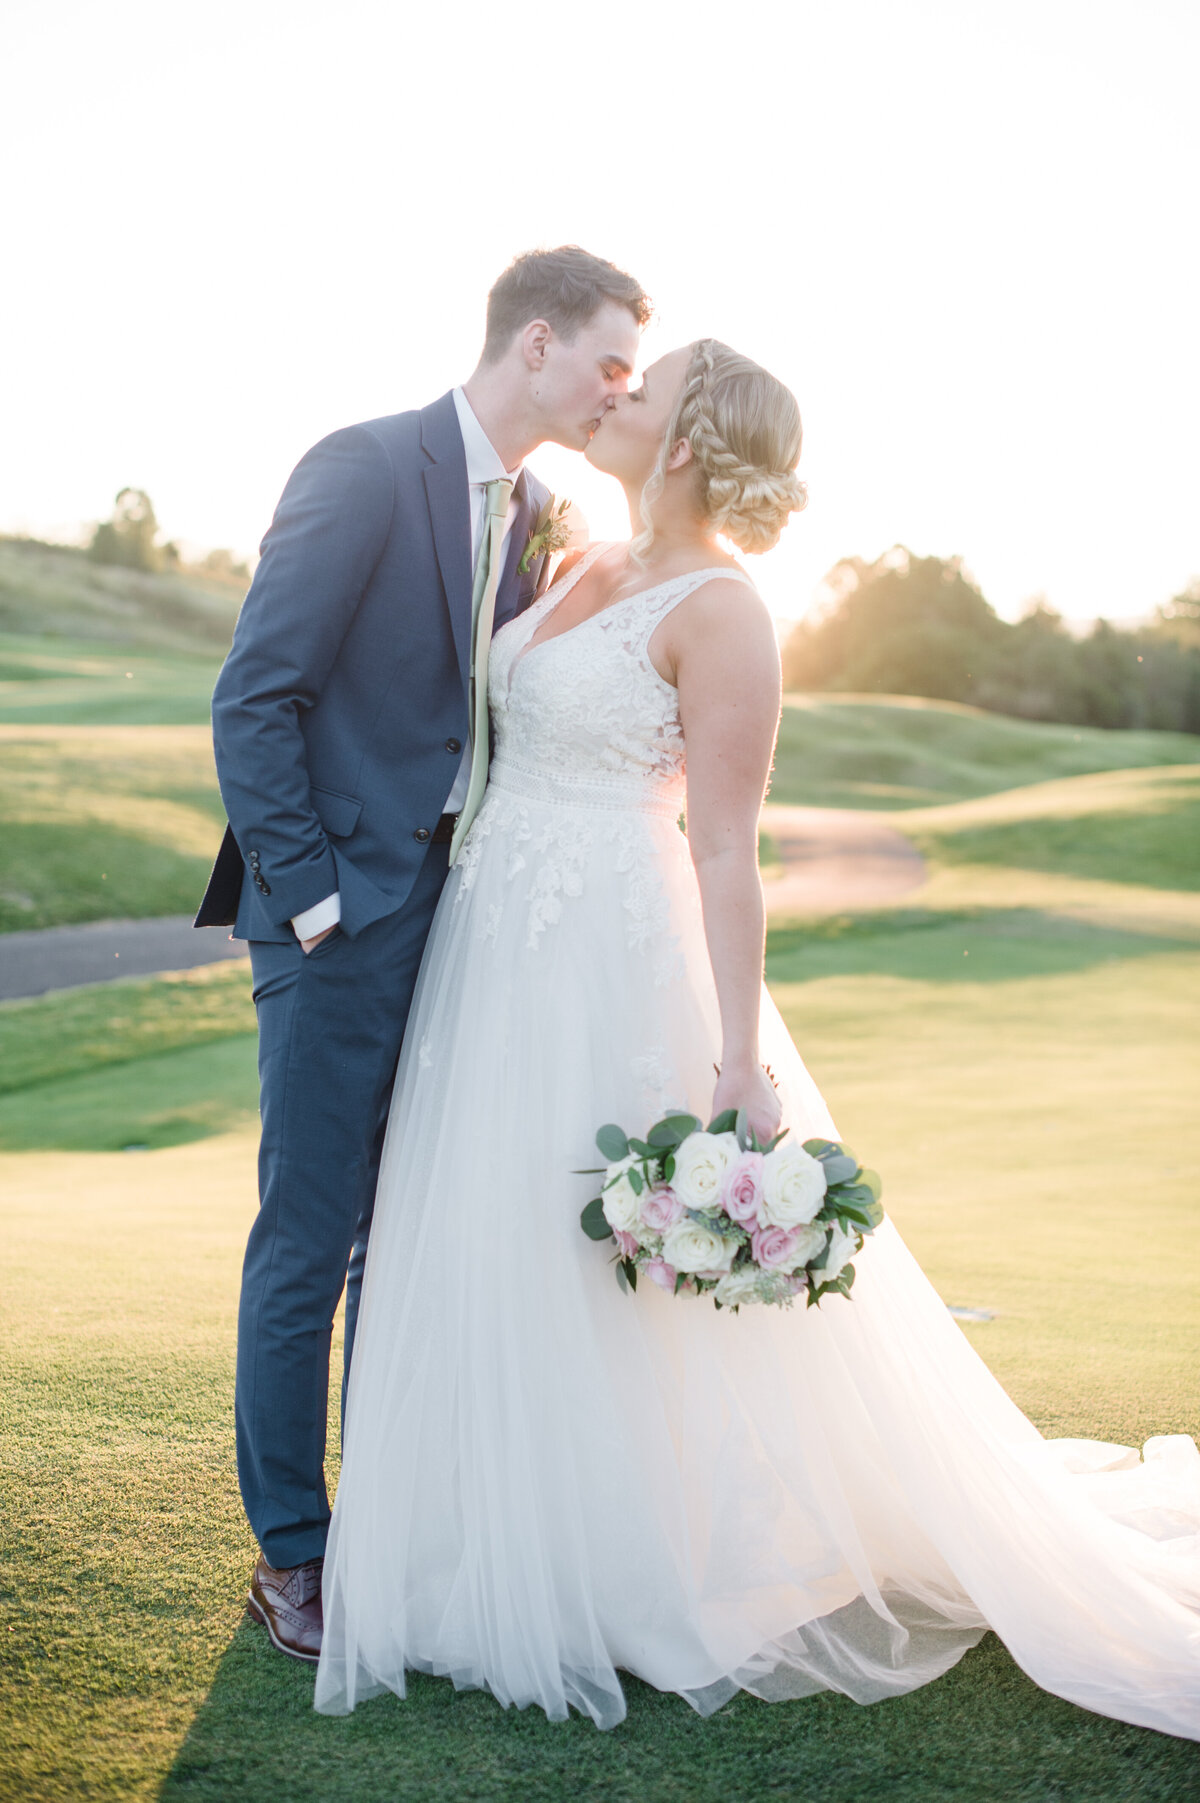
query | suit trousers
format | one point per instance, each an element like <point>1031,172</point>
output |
<point>330,1025</point>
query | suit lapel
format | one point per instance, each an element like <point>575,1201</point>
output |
<point>450,516</point>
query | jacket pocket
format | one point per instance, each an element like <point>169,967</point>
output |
<point>338,814</point>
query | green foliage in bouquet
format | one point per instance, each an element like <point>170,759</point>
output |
<point>851,1205</point>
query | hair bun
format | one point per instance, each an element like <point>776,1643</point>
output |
<point>753,509</point>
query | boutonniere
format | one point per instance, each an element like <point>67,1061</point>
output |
<point>551,532</point>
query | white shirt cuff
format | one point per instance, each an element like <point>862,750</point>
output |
<point>322,914</point>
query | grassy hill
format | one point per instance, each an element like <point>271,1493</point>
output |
<point>57,592</point>
<point>87,644</point>
<point>896,751</point>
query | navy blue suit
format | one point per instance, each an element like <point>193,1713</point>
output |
<point>339,721</point>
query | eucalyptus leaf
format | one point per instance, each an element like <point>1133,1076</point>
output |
<point>839,1168</point>
<point>779,1137</point>
<point>637,1182</point>
<point>593,1222</point>
<point>742,1129</point>
<point>857,1193</point>
<point>622,1280</point>
<point>642,1149</point>
<point>725,1122</point>
<point>873,1181</point>
<point>668,1167</point>
<point>672,1131</point>
<point>612,1143</point>
<point>818,1146</point>
<point>630,1270</point>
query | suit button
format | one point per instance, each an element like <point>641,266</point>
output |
<point>421,835</point>
<point>453,744</point>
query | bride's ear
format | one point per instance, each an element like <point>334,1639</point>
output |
<point>681,454</point>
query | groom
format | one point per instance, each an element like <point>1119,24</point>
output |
<point>350,744</point>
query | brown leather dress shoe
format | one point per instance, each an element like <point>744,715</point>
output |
<point>288,1604</point>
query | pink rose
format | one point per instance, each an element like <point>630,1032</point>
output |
<point>663,1274</point>
<point>773,1246</point>
<point>626,1241</point>
<point>661,1208</point>
<point>741,1194</point>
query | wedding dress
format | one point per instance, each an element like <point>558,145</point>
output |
<point>546,1480</point>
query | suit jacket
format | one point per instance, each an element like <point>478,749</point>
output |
<point>341,712</point>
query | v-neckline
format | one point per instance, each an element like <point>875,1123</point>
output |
<point>533,643</point>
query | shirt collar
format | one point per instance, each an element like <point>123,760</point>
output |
<point>483,460</point>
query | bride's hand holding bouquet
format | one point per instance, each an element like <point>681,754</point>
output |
<point>745,1084</point>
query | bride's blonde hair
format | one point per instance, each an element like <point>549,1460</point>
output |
<point>744,429</point>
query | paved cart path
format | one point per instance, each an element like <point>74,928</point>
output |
<point>834,861</point>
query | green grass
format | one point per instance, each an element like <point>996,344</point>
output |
<point>896,752</point>
<point>165,1101</point>
<point>105,822</point>
<point>80,1031</point>
<point>1125,826</point>
<point>78,683</point>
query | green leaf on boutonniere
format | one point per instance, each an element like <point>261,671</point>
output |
<point>551,532</point>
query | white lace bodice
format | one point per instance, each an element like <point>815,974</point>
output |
<point>584,716</point>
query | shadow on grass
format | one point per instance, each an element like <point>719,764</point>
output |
<point>167,1100</point>
<point>983,1732</point>
<point>940,946</point>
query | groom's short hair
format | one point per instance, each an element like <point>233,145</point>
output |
<point>566,287</point>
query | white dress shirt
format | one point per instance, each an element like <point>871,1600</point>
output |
<point>483,466</point>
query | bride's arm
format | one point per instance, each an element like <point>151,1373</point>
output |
<point>726,668</point>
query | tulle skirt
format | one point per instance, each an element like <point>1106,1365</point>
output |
<point>547,1481</point>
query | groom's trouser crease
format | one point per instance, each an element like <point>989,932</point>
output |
<point>330,1029</point>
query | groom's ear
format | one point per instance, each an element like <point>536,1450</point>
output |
<point>535,341</point>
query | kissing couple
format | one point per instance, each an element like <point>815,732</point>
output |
<point>455,777</point>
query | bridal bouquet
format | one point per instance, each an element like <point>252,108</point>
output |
<point>710,1211</point>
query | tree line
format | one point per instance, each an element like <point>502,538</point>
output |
<point>130,540</point>
<point>912,625</point>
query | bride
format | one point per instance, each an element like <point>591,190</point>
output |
<point>547,1481</point>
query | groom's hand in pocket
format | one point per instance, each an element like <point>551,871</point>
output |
<point>306,945</point>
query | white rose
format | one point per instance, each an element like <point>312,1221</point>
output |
<point>700,1166</point>
<point>793,1186</point>
<point>842,1247</point>
<point>810,1239</point>
<point>690,1246</point>
<point>738,1287</point>
<point>622,1207</point>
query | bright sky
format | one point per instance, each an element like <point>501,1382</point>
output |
<point>964,231</point>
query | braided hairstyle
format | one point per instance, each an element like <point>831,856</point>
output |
<point>744,430</point>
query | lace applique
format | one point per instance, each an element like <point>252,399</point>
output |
<point>589,760</point>
<point>654,1073</point>
<point>563,845</point>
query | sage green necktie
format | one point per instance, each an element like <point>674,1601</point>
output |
<point>483,616</point>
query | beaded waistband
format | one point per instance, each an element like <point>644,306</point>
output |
<point>638,794</point>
